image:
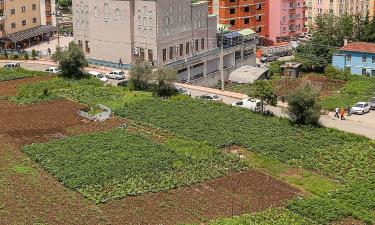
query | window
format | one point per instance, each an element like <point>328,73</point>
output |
<point>349,57</point>
<point>106,11</point>
<point>34,20</point>
<point>364,58</point>
<point>23,22</point>
<point>117,14</point>
<point>80,43</point>
<point>364,72</point>
<point>150,55</point>
<point>12,11</point>
<point>170,52</point>
<point>96,12</point>
<point>87,46</point>
<point>187,48</point>
<point>181,49</point>
<point>202,43</point>
<point>196,45</point>
<point>373,59</point>
<point>232,11</point>
<point>13,25</point>
<point>232,22</point>
<point>246,9</point>
<point>246,21</point>
<point>23,9</point>
<point>164,54</point>
<point>34,7</point>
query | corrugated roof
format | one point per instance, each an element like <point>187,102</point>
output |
<point>366,47</point>
<point>29,33</point>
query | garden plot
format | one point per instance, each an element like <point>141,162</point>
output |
<point>8,88</point>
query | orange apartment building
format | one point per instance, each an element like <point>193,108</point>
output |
<point>23,22</point>
<point>241,14</point>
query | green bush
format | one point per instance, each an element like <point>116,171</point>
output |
<point>13,74</point>
<point>114,164</point>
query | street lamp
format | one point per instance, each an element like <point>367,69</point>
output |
<point>221,29</point>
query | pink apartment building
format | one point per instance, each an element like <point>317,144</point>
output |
<point>286,20</point>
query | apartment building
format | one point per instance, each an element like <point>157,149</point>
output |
<point>240,14</point>
<point>286,20</point>
<point>176,33</point>
<point>338,7</point>
<point>21,21</point>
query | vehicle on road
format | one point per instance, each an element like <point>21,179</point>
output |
<point>372,103</point>
<point>210,97</point>
<point>360,108</point>
<point>249,103</point>
<point>12,65</point>
<point>98,75</point>
<point>183,91</point>
<point>268,58</point>
<point>116,74</point>
<point>53,70</point>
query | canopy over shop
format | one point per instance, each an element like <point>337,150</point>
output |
<point>27,38</point>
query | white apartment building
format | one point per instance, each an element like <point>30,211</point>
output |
<point>175,33</point>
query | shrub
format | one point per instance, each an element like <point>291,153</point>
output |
<point>303,108</point>
<point>33,54</point>
<point>71,61</point>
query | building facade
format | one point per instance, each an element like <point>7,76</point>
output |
<point>177,33</point>
<point>338,7</point>
<point>359,57</point>
<point>286,20</point>
<point>240,14</point>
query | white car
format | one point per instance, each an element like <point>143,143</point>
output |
<point>54,70</point>
<point>12,65</point>
<point>210,97</point>
<point>98,75</point>
<point>116,74</point>
<point>183,91</point>
<point>249,103</point>
<point>360,108</point>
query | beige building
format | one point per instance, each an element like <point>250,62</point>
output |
<point>338,7</point>
<point>23,20</point>
<point>177,33</point>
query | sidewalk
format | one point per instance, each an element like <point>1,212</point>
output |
<point>213,91</point>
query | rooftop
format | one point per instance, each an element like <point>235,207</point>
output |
<point>366,47</point>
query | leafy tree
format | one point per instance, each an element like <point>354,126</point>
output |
<point>140,74</point>
<point>164,78</point>
<point>303,108</point>
<point>71,61</point>
<point>65,3</point>
<point>263,90</point>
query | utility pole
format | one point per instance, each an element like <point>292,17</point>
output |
<point>57,12</point>
<point>222,58</point>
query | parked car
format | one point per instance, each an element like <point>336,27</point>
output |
<point>54,70</point>
<point>12,65</point>
<point>268,58</point>
<point>210,97</point>
<point>98,75</point>
<point>123,83</point>
<point>183,91</point>
<point>360,108</point>
<point>249,103</point>
<point>372,103</point>
<point>116,74</point>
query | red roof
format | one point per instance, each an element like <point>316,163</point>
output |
<point>366,47</point>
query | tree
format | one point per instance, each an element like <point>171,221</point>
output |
<point>263,90</point>
<point>65,3</point>
<point>303,108</point>
<point>164,78</point>
<point>71,61</point>
<point>140,74</point>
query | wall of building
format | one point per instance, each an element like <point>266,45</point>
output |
<point>353,60</point>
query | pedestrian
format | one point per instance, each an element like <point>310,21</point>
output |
<point>337,112</point>
<point>49,51</point>
<point>349,108</point>
<point>120,63</point>
<point>342,113</point>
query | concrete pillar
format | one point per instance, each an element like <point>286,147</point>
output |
<point>205,71</point>
<point>189,73</point>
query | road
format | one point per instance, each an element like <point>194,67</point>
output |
<point>358,124</point>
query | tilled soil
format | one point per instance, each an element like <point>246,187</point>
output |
<point>8,88</point>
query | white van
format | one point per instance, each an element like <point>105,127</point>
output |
<point>249,103</point>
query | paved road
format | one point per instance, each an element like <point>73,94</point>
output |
<point>358,124</point>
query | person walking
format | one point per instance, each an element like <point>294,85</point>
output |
<point>337,112</point>
<point>120,63</point>
<point>342,113</point>
<point>49,51</point>
<point>349,108</point>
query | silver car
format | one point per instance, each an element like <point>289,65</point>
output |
<point>372,103</point>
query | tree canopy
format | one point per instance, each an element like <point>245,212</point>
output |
<point>71,61</point>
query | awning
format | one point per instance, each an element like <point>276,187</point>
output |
<point>29,33</point>
<point>247,32</point>
<point>232,35</point>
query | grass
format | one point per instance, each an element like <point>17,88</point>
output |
<point>13,74</point>
<point>24,170</point>
<point>111,165</point>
